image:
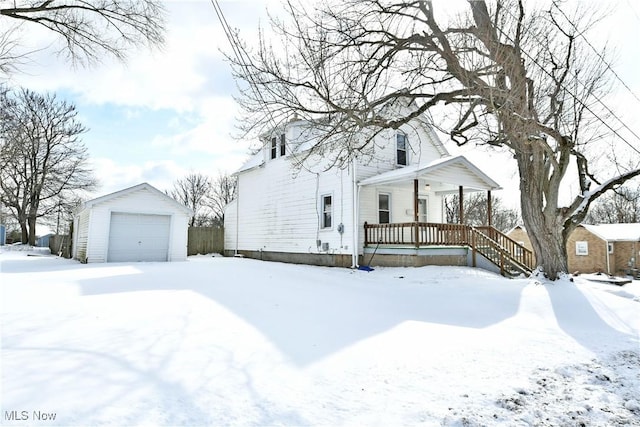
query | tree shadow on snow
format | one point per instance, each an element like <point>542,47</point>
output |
<point>583,320</point>
<point>312,312</point>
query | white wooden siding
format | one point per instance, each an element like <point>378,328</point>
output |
<point>142,201</point>
<point>279,208</point>
<point>82,234</point>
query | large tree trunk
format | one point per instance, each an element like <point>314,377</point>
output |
<point>542,219</point>
<point>32,230</point>
<point>24,235</point>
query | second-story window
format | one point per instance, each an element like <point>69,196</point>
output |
<point>401,149</point>
<point>274,147</point>
<point>283,146</point>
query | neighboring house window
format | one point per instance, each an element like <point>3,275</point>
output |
<point>582,248</point>
<point>610,247</point>
<point>401,149</point>
<point>274,147</point>
<point>283,147</point>
<point>326,211</point>
<point>384,211</point>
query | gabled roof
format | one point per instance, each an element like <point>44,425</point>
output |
<point>456,170</point>
<point>126,191</point>
<point>616,232</point>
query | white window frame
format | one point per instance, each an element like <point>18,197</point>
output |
<point>283,145</point>
<point>405,149</point>
<point>387,210</point>
<point>323,211</point>
<point>610,247</point>
<point>582,248</point>
<point>273,152</point>
<point>424,215</point>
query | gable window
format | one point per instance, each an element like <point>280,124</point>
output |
<point>401,149</point>
<point>274,147</point>
<point>283,147</point>
<point>326,211</point>
<point>582,248</point>
<point>384,208</point>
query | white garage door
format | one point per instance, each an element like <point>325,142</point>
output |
<point>138,237</point>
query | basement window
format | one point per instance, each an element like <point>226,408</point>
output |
<point>582,248</point>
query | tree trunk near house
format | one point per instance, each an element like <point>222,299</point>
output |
<point>32,230</point>
<point>24,232</point>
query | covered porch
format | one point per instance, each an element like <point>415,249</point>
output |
<point>421,236</point>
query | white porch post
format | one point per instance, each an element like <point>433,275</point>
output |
<point>356,224</point>
<point>415,200</point>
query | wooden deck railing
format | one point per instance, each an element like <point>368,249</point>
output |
<point>493,244</point>
<point>521,254</point>
<point>416,233</point>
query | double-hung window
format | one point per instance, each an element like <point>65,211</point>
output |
<point>384,208</point>
<point>274,147</point>
<point>582,248</point>
<point>283,146</point>
<point>401,149</point>
<point>327,211</point>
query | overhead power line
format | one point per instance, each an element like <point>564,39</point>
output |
<point>535,61</point>
<point>602,58</point>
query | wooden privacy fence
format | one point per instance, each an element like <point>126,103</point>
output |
<point>205,240</point>
<point>60,245</point>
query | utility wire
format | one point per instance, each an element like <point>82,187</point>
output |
<point>575,96</point>
<point>581,34</point>
<point>238,52</point>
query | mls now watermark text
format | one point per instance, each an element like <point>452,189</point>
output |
<point>29,416</point>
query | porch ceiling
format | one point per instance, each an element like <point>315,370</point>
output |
<point>453,171</point>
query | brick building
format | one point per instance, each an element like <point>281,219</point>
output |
<point>608,248</point>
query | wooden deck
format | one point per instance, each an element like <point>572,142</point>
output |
<point>494,245</point>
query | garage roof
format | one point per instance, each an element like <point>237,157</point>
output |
<point>126,191</point>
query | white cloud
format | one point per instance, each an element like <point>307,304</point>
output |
<point>115,176</point>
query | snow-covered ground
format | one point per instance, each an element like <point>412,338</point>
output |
<point>226,341</point>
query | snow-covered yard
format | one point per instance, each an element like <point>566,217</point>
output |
<point>226,341</point>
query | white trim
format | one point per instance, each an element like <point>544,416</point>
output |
<point>582,248</point>
<point>422,171</point>
<point>380,193</point>
<point>322,211</point>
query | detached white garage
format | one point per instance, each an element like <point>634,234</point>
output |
<point>136,224</point>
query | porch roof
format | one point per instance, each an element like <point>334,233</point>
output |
<point>457,170</point>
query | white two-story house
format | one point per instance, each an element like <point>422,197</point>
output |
<point>384,207</point>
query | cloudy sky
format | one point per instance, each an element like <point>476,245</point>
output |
<point>169,112</point>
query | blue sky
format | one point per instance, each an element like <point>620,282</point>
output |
<point>166,113</point>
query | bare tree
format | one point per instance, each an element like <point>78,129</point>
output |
<point>87,28</point>
<point>42,158</point>
<point>223,191</point>
<point>476,211</point>
<point>619,206</point>
<point>192,191</point>
<point>509,76</point>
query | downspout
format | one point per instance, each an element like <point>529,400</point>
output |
<point>355,202</point>
<point>237,215</point>
<point>606,244</point>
